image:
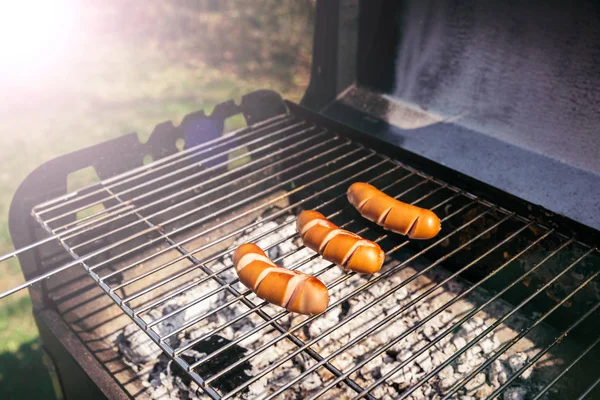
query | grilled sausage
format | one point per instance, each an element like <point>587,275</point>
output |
<point>293,290</point>
<point>337,245</point>
<point>393,215</point>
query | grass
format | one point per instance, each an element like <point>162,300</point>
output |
<point>128,77</point>
<point>20,353</point>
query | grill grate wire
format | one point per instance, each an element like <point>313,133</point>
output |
<point>329,156</point>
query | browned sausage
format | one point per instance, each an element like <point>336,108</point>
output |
<point>392,214</point>
<point>293,290</point>
<point>337,245</point>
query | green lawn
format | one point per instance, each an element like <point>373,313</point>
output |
<point>20,353</point>
<point>127,78</point>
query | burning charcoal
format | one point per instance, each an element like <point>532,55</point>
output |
<point>498,373</point>
<point>515,393</point>
<point>447,372</point>
<point>446,377</point>
<point>487,345</point>
<point>464,368</point>
<point>384,392</point>
<point>446,383</point>
<point>427,390</point>
<point>257,388</point>
<point>324,322</point>
<point>170,324</point>
<point>496,341</point>
<point>401,294</point>
<point>474,350</point>
<point>459,342</point>
<point>437,357</point>
<point>484,391</point>
<point>383,370</point>
<point>372,368</point>
<point>424,361</point>
<point>278,235</point>
<point>266,358</point>
<point>136,346</point>
<point>404,377</point>
<point>418,394</point>
<point>269,239</point>
<point>464,364</point>
<point>527,373</point>
<point>417,372</point>
<point>167,381</point>
<point>168,385</point>
<point>449,349</point>
<point>446,316</point>
<point>404,354</point>
<point>162,390</point>
<point>478,330</point>
<point>344,361</point>
<point>476,382</point>
<point>430,332</point>
<point>424,310</point>
<point>474,360</point>
<point>155,378</point>
<point>391,332</point>
<point>467,329</point>
<point>311,382</point>
<point>228,381</point>
<point>516,361</point>
<point>359,351</point>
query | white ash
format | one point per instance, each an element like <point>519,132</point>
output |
<point>476,383</point>
<point>517,361</point>
<point>484,391</point>
<point>140,351</point>
<point>515,393</point>
<point>447,372</point>
<point>498,373</point>
<point>136,346</point>
<point>166,384</point>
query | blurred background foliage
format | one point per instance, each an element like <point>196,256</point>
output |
<point>124,66</point>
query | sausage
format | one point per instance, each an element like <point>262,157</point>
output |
<point>338,245</point>
<point>393,215</point>
<point>293,290</point>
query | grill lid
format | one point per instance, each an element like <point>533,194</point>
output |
<point>501,91</point>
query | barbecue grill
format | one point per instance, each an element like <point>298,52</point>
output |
<point>131,277</point>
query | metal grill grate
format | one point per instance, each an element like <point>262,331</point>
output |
<point>157,233</point>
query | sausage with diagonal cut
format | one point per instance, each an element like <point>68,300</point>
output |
<point>337,245</point>
<point>292,290</point>
<point>392,214</point>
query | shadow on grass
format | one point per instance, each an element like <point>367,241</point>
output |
<point>24,375</point>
